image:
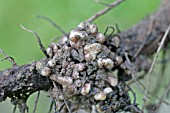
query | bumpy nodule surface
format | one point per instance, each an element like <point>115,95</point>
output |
<point>82,67</point>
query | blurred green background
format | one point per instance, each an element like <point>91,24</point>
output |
<point>23,47</point>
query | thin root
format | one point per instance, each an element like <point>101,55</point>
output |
<point>153,64</point>
<point>38,39</point>
<point>104,11</point>
<point>133,72</point>
<point>8,57</point>
<point>113,30</point>
<point>51,106</point>
<point>14,110</point>
<point>53,23</point>
<point>102,3</point>
<point>36,101</point>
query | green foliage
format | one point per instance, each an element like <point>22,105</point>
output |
<point>23,47</point>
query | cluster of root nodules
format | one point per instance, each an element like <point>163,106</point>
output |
<point>82,69</point>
